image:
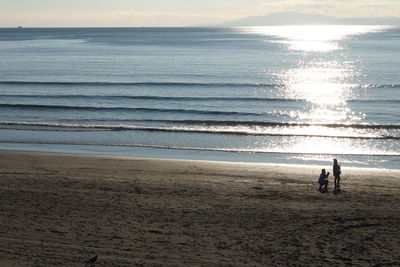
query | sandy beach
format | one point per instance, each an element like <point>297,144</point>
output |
<point>62,210</point>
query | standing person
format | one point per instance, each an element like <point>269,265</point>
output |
<point>323,180</point>
<point>336,173</point>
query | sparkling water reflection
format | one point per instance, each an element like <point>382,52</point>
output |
<point>324,77</point>
<point>319,38</point>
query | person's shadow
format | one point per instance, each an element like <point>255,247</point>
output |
<point>337,191</point>
<point>323,190</point>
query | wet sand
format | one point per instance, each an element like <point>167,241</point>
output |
<point>61,210</point>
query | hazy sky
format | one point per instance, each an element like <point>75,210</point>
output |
<point>174,12</point>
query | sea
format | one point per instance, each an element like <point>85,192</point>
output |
<point>280,94</point>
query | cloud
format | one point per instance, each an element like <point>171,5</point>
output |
<point>134,18</point>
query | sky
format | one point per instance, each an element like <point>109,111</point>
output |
<point>148,13</point>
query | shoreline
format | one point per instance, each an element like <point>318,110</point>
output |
<point>63,209</point>
<point>200,161</point>
<point>363,162</point>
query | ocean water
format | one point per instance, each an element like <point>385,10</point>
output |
<point>290,94</point>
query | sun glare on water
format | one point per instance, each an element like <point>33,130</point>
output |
<point>320,38</point>
<point>322,76</point>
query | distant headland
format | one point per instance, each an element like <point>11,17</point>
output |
<point>295,18</point>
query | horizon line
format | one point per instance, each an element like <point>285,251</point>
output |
<point>189,26</point>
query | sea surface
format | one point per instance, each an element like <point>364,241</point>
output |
<point>290,94</point>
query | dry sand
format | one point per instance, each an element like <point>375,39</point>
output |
<point>61,210</point>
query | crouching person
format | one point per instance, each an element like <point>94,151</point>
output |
<point>323,180</point>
